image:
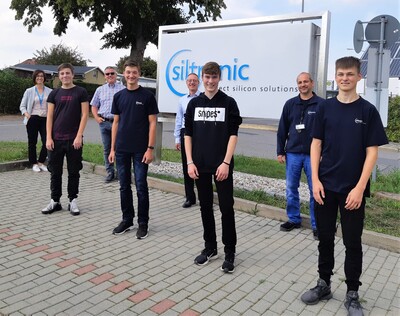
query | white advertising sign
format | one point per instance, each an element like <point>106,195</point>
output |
<point>259,63</point>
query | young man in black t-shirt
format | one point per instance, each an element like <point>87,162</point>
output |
<point>211,127</point>
<point>133,137</point>
<point>67,115</point>
<point>346,135</point>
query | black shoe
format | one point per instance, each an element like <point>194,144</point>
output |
<point>109,178</point>
<point>320,292</point>
<point>205,256</point>
<point>288,226</point>
<point>123,227</point>
<point>142,232</point>
<point>52,207</point>
<point>353,305</point>
<point>315,234</point>
<point>188,204</point>
<point>228,265</point>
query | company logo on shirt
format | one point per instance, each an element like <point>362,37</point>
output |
<point>209,114</point>
<point>179,67</point>
<point>66,98</point>
<point>139,103</point>
<point>311,112</point>
<point>357,121</point>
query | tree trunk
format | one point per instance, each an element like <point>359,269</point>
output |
<point>138,48</point>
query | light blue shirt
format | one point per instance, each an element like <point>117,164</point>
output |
<point>103,98</point>
<point>180,115</point>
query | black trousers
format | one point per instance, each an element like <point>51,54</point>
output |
<point>36,125</point>
<point>64,148</point>
<point>225,197</point>
<point>352,223</point>
<point>188,181</point>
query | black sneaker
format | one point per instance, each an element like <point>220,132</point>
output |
<point>109,178</point>
<point>353,305</point>
<point>52,207</point>
<point>142,231</point>
<point>123,227</point>
<point>228,265</point>
<point>205,256</point>
<point>320,292</point>
<point>315,234</point>
<point>288,226</point>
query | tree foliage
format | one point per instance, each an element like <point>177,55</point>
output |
<point>148,67</point>
<point>58,54</point>
<point>12,89</point>
<point>134,22</point>
<point>393,126</point>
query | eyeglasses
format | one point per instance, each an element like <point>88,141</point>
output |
<point>110,73</point>
<point>192,80</point>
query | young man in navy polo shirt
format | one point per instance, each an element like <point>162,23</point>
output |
<point>346,135</point>
<point>133,137</point>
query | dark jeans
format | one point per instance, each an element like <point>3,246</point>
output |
<point>36,125</point>
<point>124,163</point>
<point>352,223</point>
<point>105,131</point>
<point>189,182</point>
<point>64,148</point>
<point>225,197</point>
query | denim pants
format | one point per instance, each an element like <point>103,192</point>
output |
<point>294,165</point>
<point>105,131</point>
<point>64,148</point>
<point>352,223</point>
<point>36,125</point>
<point>124,162</point>
<point>188,181</point>
<point>225,197</point>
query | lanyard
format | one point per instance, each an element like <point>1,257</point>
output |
<point>41,97</point>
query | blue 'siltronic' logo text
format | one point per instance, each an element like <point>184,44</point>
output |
<point>178,71</point>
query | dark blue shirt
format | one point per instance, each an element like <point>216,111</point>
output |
<point>134,108</point>
<point>346,130</point>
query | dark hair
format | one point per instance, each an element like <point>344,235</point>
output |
<point>131,63</point>
<point>36,73</point>
<point>211,68</point>
<point>66,65</point>
<point>348,62</point>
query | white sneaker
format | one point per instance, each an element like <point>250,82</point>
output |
<point>73,207</point>
<point>36,168</point>
<point>52,207</point>
<point>42,167</point>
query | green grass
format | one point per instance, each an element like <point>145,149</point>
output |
<point>382,215</point>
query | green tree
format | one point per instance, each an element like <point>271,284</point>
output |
<point>58,54</point>
<point>134,22</point>
<point>148,67</point>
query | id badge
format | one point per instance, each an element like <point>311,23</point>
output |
<point>299,127</point>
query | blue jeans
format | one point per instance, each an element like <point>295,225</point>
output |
<point>105,131</point>
<point>124,162</point>
<point>294,165</point>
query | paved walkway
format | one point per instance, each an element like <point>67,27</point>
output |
<point>64,265</point>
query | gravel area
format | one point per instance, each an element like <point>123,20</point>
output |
<point>241,180</point>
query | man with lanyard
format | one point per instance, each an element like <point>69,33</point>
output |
<point>101,110</point>
<point>293,147</point>
<point>192,82</point>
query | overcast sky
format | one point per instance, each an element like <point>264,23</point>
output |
<point>17,44</point>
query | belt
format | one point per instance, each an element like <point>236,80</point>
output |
<point>107,119</point>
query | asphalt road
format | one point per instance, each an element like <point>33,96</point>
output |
<point>257,138</point>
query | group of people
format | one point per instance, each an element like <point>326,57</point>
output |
<point>335,141</point>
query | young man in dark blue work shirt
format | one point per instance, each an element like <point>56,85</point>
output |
<point>344,150</point>
<point>293,148</point>
<point>133,137</point>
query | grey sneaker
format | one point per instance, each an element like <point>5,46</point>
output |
<point>205,256</point>
<point>353,305</point>
<point>73,207</point>
<point>52,207</point>
<point>318,293</point>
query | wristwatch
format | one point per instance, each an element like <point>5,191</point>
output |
<point>150,147</point>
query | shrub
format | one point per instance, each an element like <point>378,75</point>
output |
<point>393,127</point>
<point>12,89</point>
